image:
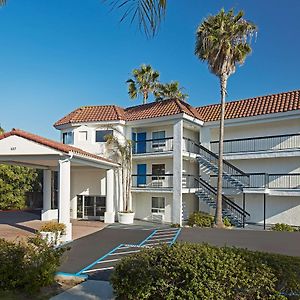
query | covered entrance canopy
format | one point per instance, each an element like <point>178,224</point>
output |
<point>19,147</point>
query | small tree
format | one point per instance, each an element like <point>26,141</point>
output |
<point>223,41</point>
<point>144,82</point>
<point>15,181</point>
<point>170,90</point>
<point>123,155</point>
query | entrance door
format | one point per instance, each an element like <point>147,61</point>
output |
<point>141,174</point>
<point>91,207</point>
<point>141,142</point>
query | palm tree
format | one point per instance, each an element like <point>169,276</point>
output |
<point>148,13</point>
<point>144,81</point>
<point>170,90</point>
<point>122,152</point>
<point>223,41</point>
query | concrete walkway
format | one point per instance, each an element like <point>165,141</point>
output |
<point>88,290</point>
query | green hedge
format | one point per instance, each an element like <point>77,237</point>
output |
<point>284,227</point>
<point>27,266</point>
<point>194,271</point>
<point>201,219</point>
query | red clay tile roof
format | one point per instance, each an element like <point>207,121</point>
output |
<point>112,112</point>
<point>160,109</point>
<point>262,105</point>
<point>275,103</point>
<point>93,114</point>
<point>52,144</point>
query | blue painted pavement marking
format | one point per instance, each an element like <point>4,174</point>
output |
<point>108,261</point>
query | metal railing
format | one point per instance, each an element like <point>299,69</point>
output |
<point>213,159</point>
<point>256,144</point>
<point>152,181</point>
<point>264,180</point>
<point>152,145</point>
<point>227,204</point>
<point>190,181</point>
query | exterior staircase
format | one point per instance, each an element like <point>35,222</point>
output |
<point>233,178</point>
<point>232,211</point>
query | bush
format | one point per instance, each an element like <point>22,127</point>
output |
<point>194,271</point>
<point>200,219</point>
<point>27,266</point>
<point>284,227</point>
<point>227,222</point>
<point>53,227</point>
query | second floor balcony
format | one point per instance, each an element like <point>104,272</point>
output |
<point>152,146</point>
<point>152,181</point>
<point>287,142</point>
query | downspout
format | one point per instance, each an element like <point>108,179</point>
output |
<point>67,159</point>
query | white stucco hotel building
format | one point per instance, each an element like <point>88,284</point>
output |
<point>174,160</point>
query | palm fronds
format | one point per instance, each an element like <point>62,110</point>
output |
<point>147,13</point>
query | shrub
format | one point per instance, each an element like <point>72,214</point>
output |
<point>227,222</point>
<point>200,219</point>
<point>194,271</point>
<point>53,227</point>
<point>284,227</point>
<point>28,266</point>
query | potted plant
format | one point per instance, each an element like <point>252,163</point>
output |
<point>122,152</point>
<point>52,232</point>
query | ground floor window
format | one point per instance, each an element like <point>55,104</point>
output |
<point>158,205</point>
<point>91,207</point>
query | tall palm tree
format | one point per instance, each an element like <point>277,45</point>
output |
<point>148,13</point>
<point>145,81</point>
<point>223,41</point>
<point>169,91</point>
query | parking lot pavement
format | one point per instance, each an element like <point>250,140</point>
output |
<point>287,243</point>
<point>88,249</point>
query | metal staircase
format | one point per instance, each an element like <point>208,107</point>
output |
<point>232,211</point>
<point>208,162</point>
<point>233,178</point>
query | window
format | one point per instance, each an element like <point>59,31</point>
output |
<point>101,134</point>
<point>159,170</point>
<point>158,138</point>
<point>158,205</point>
<point>82,136</point>
<point>68,137</point>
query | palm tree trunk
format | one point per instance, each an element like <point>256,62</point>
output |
<point>145,97</point>
<point>218,218</point>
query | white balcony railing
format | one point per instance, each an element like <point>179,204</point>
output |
<point>257,144</point>
<point>152,181</point>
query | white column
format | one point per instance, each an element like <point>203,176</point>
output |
<point>109,215</point>
<point>177,172</point>
<point>64,197</point>
<point>46,212</point>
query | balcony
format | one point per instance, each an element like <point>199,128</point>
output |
<point>287,142</point>
<point>267,181</point>
<point>152,146</point>
<point>152,181</point>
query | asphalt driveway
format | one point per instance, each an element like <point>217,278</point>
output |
<point>287,243</point>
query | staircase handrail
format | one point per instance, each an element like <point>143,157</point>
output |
<point>216,156</point>
<point>225,199</point>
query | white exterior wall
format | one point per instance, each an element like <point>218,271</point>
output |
<point>257,129</point>
<point>86,182</point>
<point>190,204</point>
<point>142,205</point>
<point>279,209</point>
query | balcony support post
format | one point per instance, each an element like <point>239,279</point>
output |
<point>265,196</point>
<point>244,208</point>
<point>177,172</point>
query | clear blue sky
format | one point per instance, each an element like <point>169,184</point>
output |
<point>61,54</point>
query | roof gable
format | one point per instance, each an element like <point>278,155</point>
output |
<point>51,144</point>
